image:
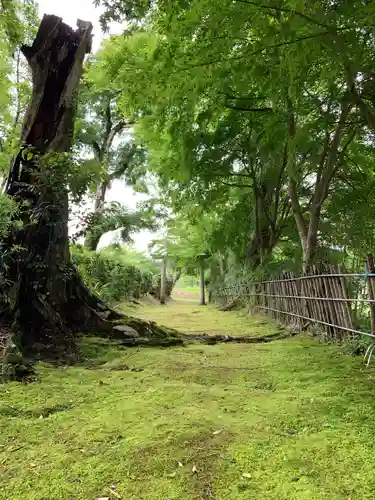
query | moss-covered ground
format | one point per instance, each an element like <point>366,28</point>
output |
<point>292,419</point>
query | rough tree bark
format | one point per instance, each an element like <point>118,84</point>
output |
<point>43,302</point>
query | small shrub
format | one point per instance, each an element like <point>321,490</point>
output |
<point>109,276</point>
<point>357,346</point>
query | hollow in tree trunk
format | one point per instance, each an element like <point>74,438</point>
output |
<point>42,299</point>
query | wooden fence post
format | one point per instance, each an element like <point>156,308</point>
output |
<point>371,290</point>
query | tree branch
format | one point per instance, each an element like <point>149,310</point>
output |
<point>323,157</point>
<point>97,150</point>
<point>258,51</point>
<point>279,182</point>
<point>367,111</point>
<point>108,119</point>
<point>292,184</point>
<point>326,177</point>
<point>342,155</point>
<point>116,129</point>
<point>248,176</point>
<point>232,184</point>
<point>257,110</point>
<point>288,11</point>
<point>249,98</point>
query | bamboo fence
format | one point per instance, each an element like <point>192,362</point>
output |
<point>342,305</point>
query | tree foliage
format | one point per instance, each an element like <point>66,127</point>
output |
<point>260,113</point>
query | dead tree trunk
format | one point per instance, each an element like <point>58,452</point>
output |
<point>42,299</point>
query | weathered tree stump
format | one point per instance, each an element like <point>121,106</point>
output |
<point>44,302</point>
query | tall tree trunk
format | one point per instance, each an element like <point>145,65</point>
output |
<point>202,284</point>
<point>40,269</point>
<point>43,301</point>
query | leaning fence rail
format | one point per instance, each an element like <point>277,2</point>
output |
<point>342,304</point>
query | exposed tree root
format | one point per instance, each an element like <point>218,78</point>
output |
<point>220,338</point>
<point>39,330</point>
<point>233,305</point>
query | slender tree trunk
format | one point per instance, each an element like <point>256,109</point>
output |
<point>163,281</point>
<point>202,285</point>
<point>222,265</point>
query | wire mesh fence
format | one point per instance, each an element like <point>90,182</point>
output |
<point>340,303</point>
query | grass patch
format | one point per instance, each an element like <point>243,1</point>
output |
<point>291,419</point>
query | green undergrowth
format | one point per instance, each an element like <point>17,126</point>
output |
<point>291,419</point>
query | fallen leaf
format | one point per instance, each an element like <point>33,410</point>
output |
<point>194,469</point>
<point>113,493</point>
<point>103,498</point>
<point>215,433</point>
<point>180,464</point>
<point>32,465</point>
<point>16,448</point>
<point>246,475</point>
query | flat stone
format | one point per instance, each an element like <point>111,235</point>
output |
<point>128,331</point>
<point>104,314</point>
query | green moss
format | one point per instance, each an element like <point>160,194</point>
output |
<point>186,316</point>
<point>290,419</point>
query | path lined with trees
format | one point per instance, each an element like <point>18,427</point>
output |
<point>255,123</point>
<point>250,126</point>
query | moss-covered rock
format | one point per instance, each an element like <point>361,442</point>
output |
<point>148,333</point>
